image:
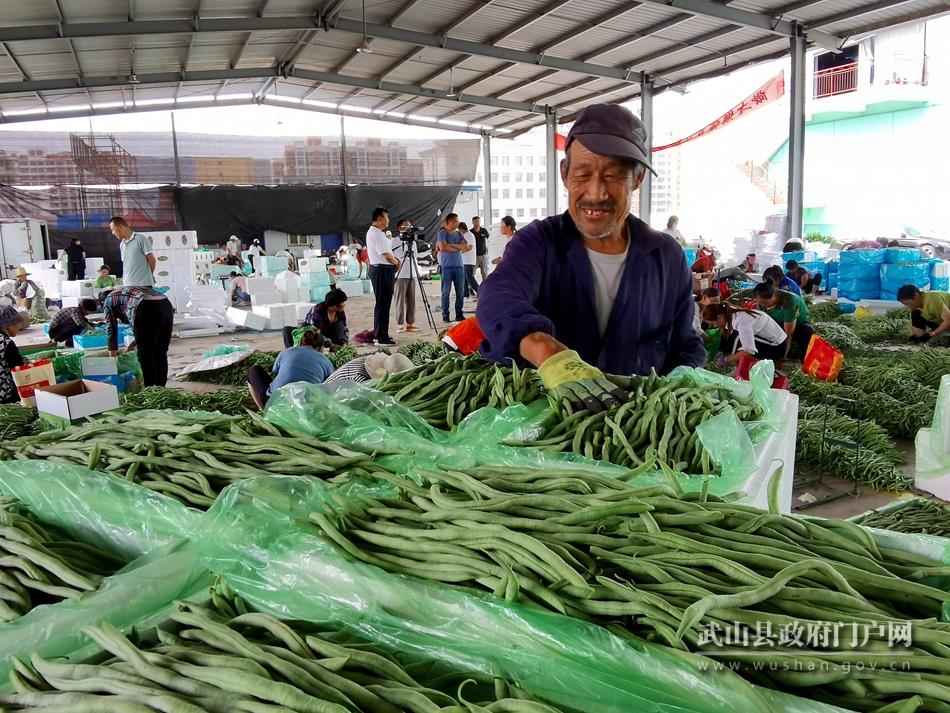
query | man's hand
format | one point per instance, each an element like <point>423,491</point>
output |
<point>577,385</point>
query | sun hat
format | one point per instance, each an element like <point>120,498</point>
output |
<point>611,130</point>
<point>11,316</point>
<point>375,365</point>
<point>21,272</point>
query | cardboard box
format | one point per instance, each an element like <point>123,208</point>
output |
<point>65,403</point>
<point>700,283</point>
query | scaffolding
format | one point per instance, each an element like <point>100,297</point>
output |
<point>102,157</point>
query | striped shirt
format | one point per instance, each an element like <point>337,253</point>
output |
<point>354,370</point>
<point>121,306</point>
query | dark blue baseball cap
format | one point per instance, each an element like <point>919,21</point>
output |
<point>611,130</point>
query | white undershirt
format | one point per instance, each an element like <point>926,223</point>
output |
<point>757,325</point>
<point>607,271</point>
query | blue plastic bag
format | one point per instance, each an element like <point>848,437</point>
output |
<point>902,255</point>
<point>862,257</point>
<point>941,284</point>
<point>895,275</point>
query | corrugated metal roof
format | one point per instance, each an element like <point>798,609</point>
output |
<point>548,52</point>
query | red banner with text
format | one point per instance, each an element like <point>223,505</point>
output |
<point>766,94</point>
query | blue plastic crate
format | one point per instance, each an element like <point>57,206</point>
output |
<point>96,340</point>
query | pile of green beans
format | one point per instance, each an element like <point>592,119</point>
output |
<point>660,564</point>
<point>841,336</point>
<point>421,352</point>
<point>40,564</point>
<point>16,421</point>
<point>868,434</point>
<point>445,391</point>
<point>341,356</point>
<point>814,454</point>
<point>188,456</point>
<point>224,658</point>
<point>824,311</point>
<point>919,517</point>
<point>656,425</point>
<point>875,330</point>
<point>901,418</point>
<point>160,397</point>
<point>896,380</point>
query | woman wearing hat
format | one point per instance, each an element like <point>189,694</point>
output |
<point>11,322</point>
<point>23,286</point>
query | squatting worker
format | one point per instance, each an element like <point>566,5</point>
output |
<point>138,261</point>
<point>150,315</point>
<point>70,321</point>
<point>788,310</point>
<point>382,273</point>
<point>929,312</point>
<point>596,289</point>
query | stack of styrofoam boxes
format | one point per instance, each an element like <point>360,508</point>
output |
<point>203,260</point>
<point>270,266</point>
<point>352,288</point>
<point>174,264</point>
<point>278,316</point>
<point>314,278</point>
<point>209,297</point>
<point>263,291</point>
<point>290,289</point>
<point>46,274</point>
<point>75,290</point>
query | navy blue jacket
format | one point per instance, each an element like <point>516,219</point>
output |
<point>544,283</point>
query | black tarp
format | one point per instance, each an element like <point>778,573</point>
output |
<point>423,205</point>
<point>217,212</point>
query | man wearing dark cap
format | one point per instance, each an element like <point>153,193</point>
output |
<point>596,289</point>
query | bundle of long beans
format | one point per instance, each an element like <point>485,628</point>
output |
<point>673,567</point>
<point>40,564</point>
<point>189,456</point>
<point>897,380</point>
<point>16,421</point>
<point>224,658</point>
<point>868,434</point>
<point>446,390</point>
<point>421,352</point>
<point>657,423</point>
<point>160,397</point>
<point>919,516</point>
<point>875,330</point>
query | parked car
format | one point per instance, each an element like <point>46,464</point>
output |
<point>930,244</point>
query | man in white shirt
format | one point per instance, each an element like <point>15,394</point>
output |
<point>382,273</point>
<point>138,262</point>
<point>255,251</point>
<point>469,260</point>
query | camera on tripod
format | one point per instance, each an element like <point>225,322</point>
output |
<point>412,235</point>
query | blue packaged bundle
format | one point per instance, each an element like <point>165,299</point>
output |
<point>895,275</point>
<point>902,255</point>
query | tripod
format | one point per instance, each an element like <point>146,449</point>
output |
<point>409,246</point>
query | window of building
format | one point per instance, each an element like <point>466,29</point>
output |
<point>530,193</point>
<point>529,177</point>
<point>518,160</point>
<point>529,161</point>
<point>519,177</point>
<point>541,160</point>
<point>509,211</point>
<point>494,192</point>
<point>542,177</point>
<point>542,193</point>
<point>505,177</point>
<point>504,160</point>
<point>495,215</point>
<point>521,212</point>
<point>494,177</point>
<point>494,160</point>
<point>506,193</point>
<point>298,241</point>
<point>519,194</point>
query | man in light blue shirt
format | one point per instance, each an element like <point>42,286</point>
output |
<point>138,262</point>
<point>451,245</point>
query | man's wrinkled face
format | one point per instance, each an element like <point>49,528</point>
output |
<point>598,191</point>
<point>451,225</point>
<point>122,232</point>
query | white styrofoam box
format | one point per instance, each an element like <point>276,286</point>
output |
<point>245,318</point>
<point>302,309</point>
<point>274,314</point>
<point>189,333</point>
<point>70,301</point>
<point>312,264</point>
<point>164,258</point>
<point>285,280</point>
<point>92,265</point>
<point>941,269</point>
<point>77,288</point>
<point>352,288</point>
<point>265,298</point>
<point>312,252</point>
<point>264,285</point>
<point>172,239</point>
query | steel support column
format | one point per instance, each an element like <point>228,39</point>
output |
<point>486,183</point>
<point>552,172</point>
<point>796,138</point>
<point>646,116</point>
<point>175,150</point>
